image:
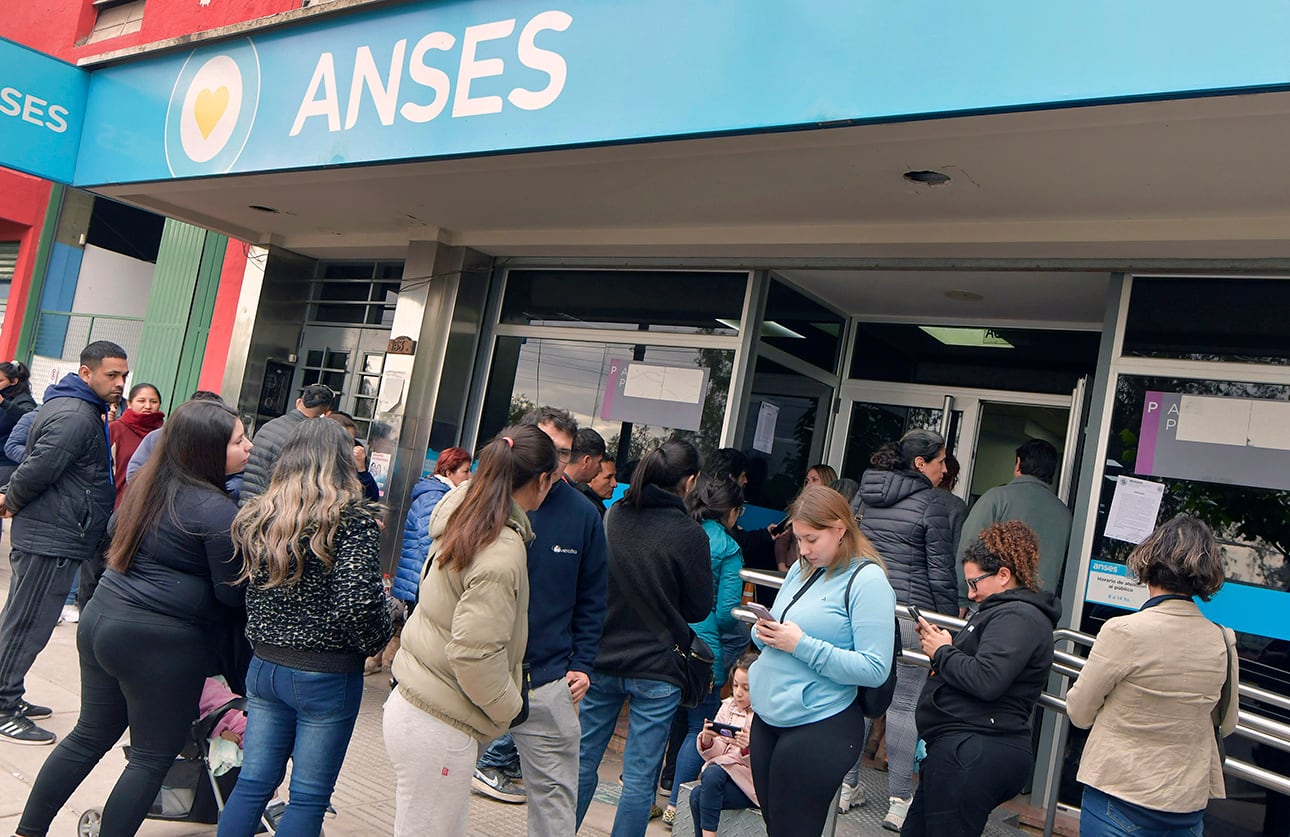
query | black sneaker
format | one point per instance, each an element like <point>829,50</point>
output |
<point>33,711</point>
<point>18,729</point>
<point>497,785</point>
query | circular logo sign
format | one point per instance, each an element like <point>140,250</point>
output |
<point>212,108</point>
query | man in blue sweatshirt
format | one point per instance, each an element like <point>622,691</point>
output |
<point>60,497</point>
<point>568,586</point>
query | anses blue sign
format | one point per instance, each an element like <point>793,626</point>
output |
<point>42,101</point>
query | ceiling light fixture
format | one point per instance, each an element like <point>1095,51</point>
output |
<point>769,328</point>
<point>928,178</point>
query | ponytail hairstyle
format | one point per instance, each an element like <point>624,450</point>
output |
<point>900,456</point>
<point>823,508</point>
<point>512,460</point>
<point>19,373</point>
<point>667,466</point>
<point>714,498</point>
<point>314,482</point>
<point>1010,544</point>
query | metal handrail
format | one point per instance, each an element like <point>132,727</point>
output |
<point>1251,725</point>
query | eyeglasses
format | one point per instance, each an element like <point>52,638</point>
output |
<point>972,582</point>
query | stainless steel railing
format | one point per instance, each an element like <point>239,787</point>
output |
<point>1251,725</point>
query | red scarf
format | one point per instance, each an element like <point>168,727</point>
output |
<point>142,423</point>
<point>127,433</point>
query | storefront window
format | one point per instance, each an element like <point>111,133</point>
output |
<point>663,301</point>
<point>1243,320</point>
<point>591,380</point>
<point>797,324</point>
<point>1216,450</point>
<point>783,434</point>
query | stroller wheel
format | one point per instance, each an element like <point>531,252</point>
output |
<point>89,823</point>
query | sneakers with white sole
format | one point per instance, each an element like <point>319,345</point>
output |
<point>71,615</point>
<point>897,810</point>
<point>19,729</point>
<point>495,784</point>
<point>33,711</point>
<point>852,797</point>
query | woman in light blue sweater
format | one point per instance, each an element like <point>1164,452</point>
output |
<point>832,632</point>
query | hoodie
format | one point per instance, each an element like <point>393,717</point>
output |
<point>989,679</point>
<point>910,525</point>
<point>461,657</point>
<point>61,494</point>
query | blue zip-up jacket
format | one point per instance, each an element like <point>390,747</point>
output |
<point>426,494</point>
<point>568,585</point>
<point>836,653</point>
<point>728,589</point>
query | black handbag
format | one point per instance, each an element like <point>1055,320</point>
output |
<point>695,661</point>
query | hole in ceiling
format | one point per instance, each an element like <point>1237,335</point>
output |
<point>259,208</point>
<point>928,178</point>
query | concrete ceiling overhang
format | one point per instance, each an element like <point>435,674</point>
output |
<point>1202,178</point>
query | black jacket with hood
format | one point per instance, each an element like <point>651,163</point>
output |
<point>16,404</point>
<point>62,493</point>
<point>990,678</point>
<point>909,524</point>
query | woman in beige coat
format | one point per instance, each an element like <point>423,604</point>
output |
<point>1151,692</point>
<point>460,666</point>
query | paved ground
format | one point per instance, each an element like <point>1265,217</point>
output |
<point>364,797</point>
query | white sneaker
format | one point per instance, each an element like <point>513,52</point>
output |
<point>71,615</point>
<point>897,810</point>
<point>852,797</point>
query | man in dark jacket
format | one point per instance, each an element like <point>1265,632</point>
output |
<point>568,587</point>
<point>316,400</point>
<point>584,465</point>
<point>60,497</point>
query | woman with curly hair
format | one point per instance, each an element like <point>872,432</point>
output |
<point>975,710</point>
<point>315,611</point>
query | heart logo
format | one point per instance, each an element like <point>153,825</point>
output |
<point>210,108</point>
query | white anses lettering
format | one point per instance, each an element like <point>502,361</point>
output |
<point>383,84</point>
<point>33,109</point>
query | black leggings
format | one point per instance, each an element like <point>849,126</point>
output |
<point>147,676</point>
<point>797,770</point>
<point>963,778</point>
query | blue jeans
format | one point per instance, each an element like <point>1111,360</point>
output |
<point>653,703</point>
<point>688,760</point>
<point>501,755</point>
<point>307,716</point>
<point>1103,815</point>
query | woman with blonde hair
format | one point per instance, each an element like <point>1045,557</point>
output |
<point>1159,691</point>
<point>832,631</point>
<point>315,611</point>
<point>975,710</point>
<point>460,669</point>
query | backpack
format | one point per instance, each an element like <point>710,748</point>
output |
<point>874,700</point>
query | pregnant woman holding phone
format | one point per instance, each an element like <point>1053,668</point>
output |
<point>830,632</point>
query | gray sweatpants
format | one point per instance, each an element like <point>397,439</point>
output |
<point>433,764</point>
<point>548,745</point>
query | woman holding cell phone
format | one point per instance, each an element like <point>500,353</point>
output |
<point>830,631</point>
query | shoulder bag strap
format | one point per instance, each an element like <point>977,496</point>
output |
<point>864,562</point>
<point>815,576</point>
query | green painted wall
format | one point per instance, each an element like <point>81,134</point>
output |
<point>178,316</point>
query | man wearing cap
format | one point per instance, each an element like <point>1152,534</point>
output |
<point>314,401</point>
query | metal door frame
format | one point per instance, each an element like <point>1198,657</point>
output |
<point>966,400</point>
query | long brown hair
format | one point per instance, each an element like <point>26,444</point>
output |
<point>191,452</point>
<point>516,457</point>
<point>820,507</point>
<point>313,482</point>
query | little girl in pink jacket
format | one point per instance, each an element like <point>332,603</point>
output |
<point>726,781</point>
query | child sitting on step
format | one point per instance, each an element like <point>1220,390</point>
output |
<point>726,782</point>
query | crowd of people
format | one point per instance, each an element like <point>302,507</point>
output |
<point>534,610</point>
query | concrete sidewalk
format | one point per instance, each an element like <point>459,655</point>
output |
<point>364,797</point>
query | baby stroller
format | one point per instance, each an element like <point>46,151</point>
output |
<point>191,792</point>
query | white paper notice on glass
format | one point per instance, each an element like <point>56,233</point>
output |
<point>767,417</point>
<point>391,391</point>
<point>1134,509</point>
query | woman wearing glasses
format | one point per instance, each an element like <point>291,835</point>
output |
<point>975,710</point>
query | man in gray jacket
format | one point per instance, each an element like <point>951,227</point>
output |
<point>314,401</point>
<point>60,497</point>
<point>1030,499</point>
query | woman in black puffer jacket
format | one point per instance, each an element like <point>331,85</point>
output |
<point>909,523</point>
